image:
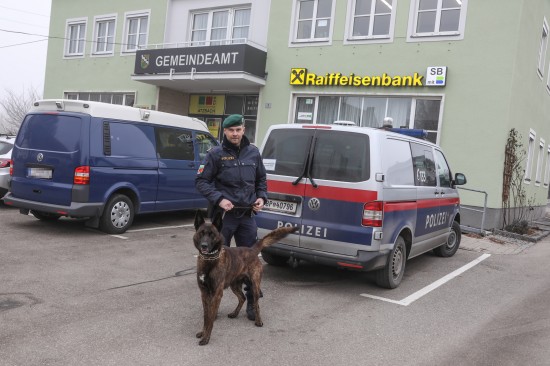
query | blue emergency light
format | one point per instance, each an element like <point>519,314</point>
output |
<point>413,132</point>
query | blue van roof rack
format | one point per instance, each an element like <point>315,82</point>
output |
<point>413,132</point>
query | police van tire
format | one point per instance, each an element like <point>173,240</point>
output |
<point>274,259</point>
<point>453,242</point>
<point>391,275</point>
<point>45,216</point>
<point>118,215</point>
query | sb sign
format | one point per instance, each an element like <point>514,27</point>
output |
<point>436,75</point>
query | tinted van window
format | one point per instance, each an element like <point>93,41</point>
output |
<point>175,144</point>
<point>132,140</point>
<point>51,132</point>
<point>286,151</point>
<point>424,165</point>
<point>341,156</point>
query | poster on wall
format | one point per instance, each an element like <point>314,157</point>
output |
<point>206,104</point>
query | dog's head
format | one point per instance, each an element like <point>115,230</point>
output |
<point>207,238</point>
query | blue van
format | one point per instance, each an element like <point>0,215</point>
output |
<point>105,163</point>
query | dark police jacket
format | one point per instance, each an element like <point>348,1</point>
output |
<point>236,174</point>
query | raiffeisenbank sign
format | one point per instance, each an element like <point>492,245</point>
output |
<point>435,76</point>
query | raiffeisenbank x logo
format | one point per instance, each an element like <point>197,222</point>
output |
<point>301,76</point>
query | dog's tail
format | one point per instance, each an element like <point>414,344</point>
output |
<point>273,237</point>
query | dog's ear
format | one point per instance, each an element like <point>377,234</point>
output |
<point>199,219</point>
<point>217,221</point>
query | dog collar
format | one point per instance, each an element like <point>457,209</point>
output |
<point>210,257</point>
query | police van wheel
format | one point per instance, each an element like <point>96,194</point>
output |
<point>391,275</point>
<point>117,215</point>
<point>453,242</point>
<point>274,260</point>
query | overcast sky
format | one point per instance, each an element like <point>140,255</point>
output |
<point>23,44</point>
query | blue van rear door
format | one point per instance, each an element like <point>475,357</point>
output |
<point>47,151</point>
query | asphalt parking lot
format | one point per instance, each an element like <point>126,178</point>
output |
<point>70,295</point>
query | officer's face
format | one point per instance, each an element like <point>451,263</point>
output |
<point>234,134</point>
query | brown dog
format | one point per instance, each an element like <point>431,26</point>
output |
<point>220,267</point>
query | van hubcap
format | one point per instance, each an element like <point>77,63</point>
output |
<point>397,264</point>
<point>120,214</point>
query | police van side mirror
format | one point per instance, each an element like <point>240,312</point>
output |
<point>460,179</point>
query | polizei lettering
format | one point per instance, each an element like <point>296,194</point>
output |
<point>436,219</point>
<point>309,230</point>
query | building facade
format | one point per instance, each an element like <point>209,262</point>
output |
<point>468,72</point>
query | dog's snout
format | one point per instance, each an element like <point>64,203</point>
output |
<point>204,245</point>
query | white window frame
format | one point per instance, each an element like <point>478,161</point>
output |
<point>103,96</point>
<point>540,160</point>
<point>530,155</point>
<point>547,170</point>
<point>229,29</point>
<point>295,42</point>
<point>128,48</point>
<point>75,22</point>
<point>109,19</point>
<point>413,36</point>
<point>542,49</point>
<point>350,21</point>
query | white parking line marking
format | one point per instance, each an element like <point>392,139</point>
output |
<point>159,228</point>
<point>418,294</point>
<point>119,236</point>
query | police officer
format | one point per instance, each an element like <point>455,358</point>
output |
<point>233,179</point>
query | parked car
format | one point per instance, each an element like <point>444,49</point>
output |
<point>364,199</point>
<point>105,163</point>
<point>6,146</point>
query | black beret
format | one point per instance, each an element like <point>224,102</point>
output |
<point>233,120</point>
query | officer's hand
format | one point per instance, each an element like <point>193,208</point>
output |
<point>258,205</point>
<point>225,204</point>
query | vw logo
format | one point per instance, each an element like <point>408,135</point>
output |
<point>314,204</point>
<point>40,157</point>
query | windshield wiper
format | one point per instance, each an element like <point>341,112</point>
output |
<point>305,169</point>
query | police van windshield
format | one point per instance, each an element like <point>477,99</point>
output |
<point>50,132</point>
<point>336,155</point>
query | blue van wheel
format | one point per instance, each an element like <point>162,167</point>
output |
<point>453,242</point>
<point>118,215</point>
<point>391,275</point>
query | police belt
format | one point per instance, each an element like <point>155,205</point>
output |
<point>240,211</point>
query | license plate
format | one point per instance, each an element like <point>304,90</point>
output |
<point>281,206</point>
<point>42,173</point>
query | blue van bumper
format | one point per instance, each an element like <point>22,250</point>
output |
<point>76,209</point>
<point>364,261</point>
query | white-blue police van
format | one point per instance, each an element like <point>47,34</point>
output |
<point>106,163</point>
<point>364,199</point>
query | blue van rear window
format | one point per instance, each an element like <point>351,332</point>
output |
<point>50,132</point>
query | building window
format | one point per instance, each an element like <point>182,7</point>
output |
<point>530,153</point>
<point>538,175</point>
<point>104,34</point>
<point>76,37</point>
<point>370,111</point>
<point>220,26</point>
<point>312,20</point>
<point>136,31</point>
<point>543,47</point>
<point>437,19</point>
<point>371,19</point>
<point>547,170</point>
<point>127,99</point>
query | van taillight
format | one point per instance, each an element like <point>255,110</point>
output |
<point>373,213</point>
<point>82,175</point>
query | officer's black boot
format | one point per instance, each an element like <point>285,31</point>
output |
<point>250,314</point>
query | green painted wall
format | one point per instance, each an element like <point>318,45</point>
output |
<point>492,83</point>
<point>97,73</point>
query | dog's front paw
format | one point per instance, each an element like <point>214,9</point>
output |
<point>233,314</point>
<point>199,335</point>
<point>204,342</point>
<point>258,323</point>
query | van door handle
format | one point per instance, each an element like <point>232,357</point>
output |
<point>191,165</point>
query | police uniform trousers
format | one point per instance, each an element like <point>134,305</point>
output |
<point>240,225</point>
